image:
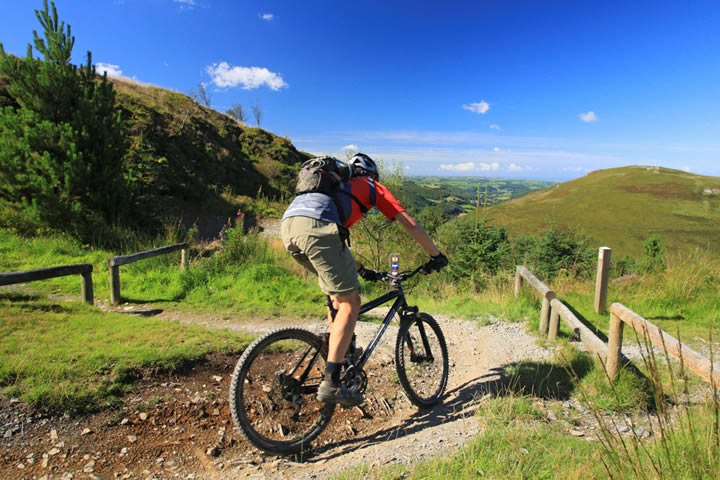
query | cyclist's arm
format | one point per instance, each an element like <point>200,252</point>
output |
<point>417,232</point>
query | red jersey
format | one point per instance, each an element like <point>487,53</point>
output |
<point>384,200</point>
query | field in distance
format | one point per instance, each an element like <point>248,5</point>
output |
<point>463,194</point>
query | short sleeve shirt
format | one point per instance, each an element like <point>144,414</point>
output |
<point>385,201</point>
<point>345,211</point>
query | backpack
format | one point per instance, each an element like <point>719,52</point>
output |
<point>326,175</point>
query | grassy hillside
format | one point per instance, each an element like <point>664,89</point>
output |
<point>622,208</point>
<point>185,160</point>
<point>188,152</point>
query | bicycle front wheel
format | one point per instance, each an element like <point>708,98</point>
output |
<point>272,394</point>
<point>421,358</point>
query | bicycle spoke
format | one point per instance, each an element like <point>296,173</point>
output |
<point>273,391</point>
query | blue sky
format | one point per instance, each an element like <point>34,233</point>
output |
<point>518,89</point>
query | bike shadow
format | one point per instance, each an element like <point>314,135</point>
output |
<point>460,403</point>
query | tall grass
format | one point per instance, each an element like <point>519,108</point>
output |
<point>686,436</point>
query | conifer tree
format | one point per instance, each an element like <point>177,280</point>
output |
<point>62,144</point>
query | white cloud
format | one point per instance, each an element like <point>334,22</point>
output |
<point>513,167</point>
<point>223,75</point>
<point>496,149</point>
<point>350,147</point>
<point>266,16</point>
<point>588,117</point>
<point>459,167</point>
<point>112,70</point>
<point>185,3</point>
<point>495,126</point>
<point>470,166</point>
<point>479,107</point>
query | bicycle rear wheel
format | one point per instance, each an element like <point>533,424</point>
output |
<point>272,394</point>
<point>421,358</point>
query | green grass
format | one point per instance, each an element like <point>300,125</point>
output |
<point>514,442</point>
<point>622,208</point>
<point>251,277</point>
<point>66,356</point>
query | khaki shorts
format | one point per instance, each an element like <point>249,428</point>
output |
<point>317,246</point>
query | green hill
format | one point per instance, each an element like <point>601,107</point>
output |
<point>192,153</point>
<point>622,207</point>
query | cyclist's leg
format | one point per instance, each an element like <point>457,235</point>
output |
<point>342,328</point>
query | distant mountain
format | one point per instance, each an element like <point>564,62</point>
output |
<point>622,207</point>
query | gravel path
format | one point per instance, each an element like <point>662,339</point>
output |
<point>477,355</point>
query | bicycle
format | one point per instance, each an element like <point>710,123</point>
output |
<point>273,388</point>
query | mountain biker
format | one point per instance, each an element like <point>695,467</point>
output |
<point>314,230</point>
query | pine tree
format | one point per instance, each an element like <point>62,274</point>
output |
<point>62,145</point>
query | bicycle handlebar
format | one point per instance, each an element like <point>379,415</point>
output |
<point>400,277</point>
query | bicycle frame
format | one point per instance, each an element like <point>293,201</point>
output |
<point>400,305</point>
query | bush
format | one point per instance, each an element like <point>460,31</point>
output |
<point>555,252</point>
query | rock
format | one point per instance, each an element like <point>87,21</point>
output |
<point>53,435</point>
<point>8,434</point>
<point>86,431</point>
<point>212,452</point>
<point>132,438</point>
<point>143,416</point>
<point>217,378</point>
<point>54,451</point>
<point>124,421</point>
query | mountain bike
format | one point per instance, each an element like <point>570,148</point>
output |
<point>272,394</point>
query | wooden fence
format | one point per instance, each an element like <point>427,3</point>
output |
<point>84,269</point>
<point>553,309</point>
<point>115,263</point>
<point>620,314</point>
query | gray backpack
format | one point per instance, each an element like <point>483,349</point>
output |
<point>322,175</point>
<point>326,175</point>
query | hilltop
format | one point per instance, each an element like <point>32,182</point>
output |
<point>622,207</point>
<point>195,153</point>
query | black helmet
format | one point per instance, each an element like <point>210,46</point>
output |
<point>365,165</point>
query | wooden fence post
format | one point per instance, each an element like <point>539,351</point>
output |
<point>554,324</point>
<point>545,315</point>
<point>518,281</point>
<point>614,346</point>
<point>114,284</point>
<point>601,282</point>
<point>184,259</point>
<point>87,288</point>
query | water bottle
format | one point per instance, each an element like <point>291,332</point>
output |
<point>395,264</point>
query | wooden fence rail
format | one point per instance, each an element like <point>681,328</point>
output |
<point>620,314</point>
<point>553,310</point>
<point>115,263</point>
<point>84,269</point>
<point>547,294</point>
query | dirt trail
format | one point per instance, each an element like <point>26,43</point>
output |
<point>180,426</point>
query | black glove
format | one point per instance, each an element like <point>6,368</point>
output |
<point>369,275</point>
<point>436,263</point>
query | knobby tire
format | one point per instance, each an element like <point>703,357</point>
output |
<point>421,359</point>
<point>274,407</point>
